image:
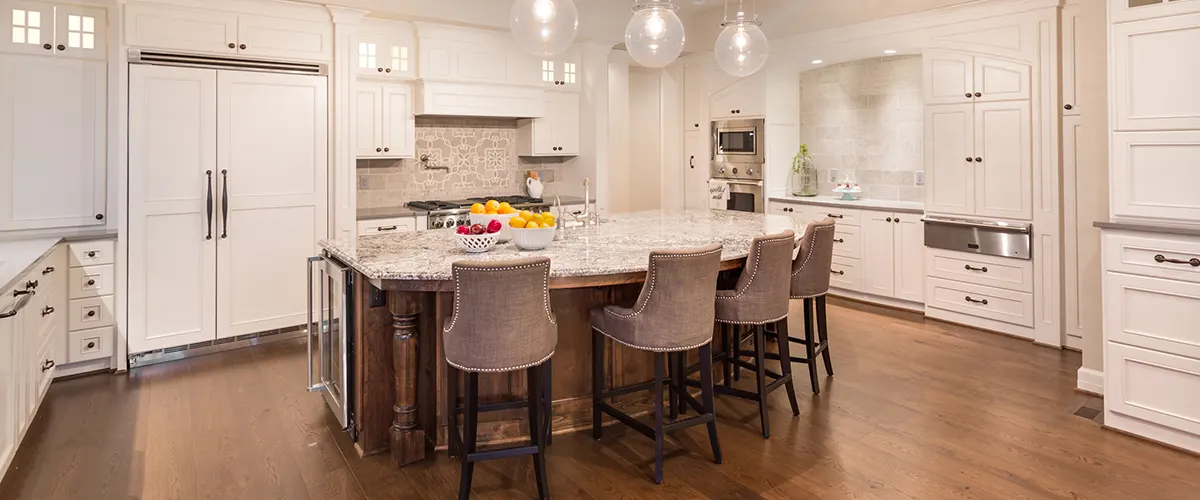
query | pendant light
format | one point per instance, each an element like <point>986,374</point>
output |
<point>741,48</point>
<point>543,27</point>
<point>654,36</point>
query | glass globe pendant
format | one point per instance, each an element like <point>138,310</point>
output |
<point>543,27</point>
<point>654,36</point>
<point>741,48</point>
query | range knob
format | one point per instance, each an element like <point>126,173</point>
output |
<point>462,222</point>
<point>722,170</point>
<point>750,171</point>
<point>439,224</point>
<point>735,171</point>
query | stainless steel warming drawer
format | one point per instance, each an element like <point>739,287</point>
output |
<point>1003,239</point>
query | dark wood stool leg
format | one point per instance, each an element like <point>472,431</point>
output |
<point>680,386</point>
<point>727,364</point>
<point>707,395</point>
<point>597,382</point>
<point>659,359</point>
<point>548,399</point>
<point>760,362</point>
<point>810,343</point>
<point>673,399</point>
<point>737,347</point>
<point>822,333</point>
<point>470,417</point>
<point>455,438</point>
<point>785,362</point>
<point>537,430</point>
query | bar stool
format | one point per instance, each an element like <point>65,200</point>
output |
<point>759,298</point>
<point>811,271</point>
<point>673,314</point>
<point>485,335</point>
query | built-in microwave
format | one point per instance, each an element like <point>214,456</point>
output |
<point>738,141</point>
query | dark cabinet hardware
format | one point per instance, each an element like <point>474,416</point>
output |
<point>835,216</point>
<point>977,94</point>
<point>242,46</point>
<point>1068,107</point>
<point>18,293</point>
<point>91,282</point>
<point>47,270</point>
<point>970,160</point>
<point>732,111</point>
<point>388,70</point>
<point>91,345</point>
<point>379,70</point>
<point>692,161</point>
<point>387,228</point>
<point>31,285</point>
<point>232,45</point>
<point>47,364</point>
<point>978,160</point>
<point>968,94</point>
<point>1194,262</point>
<point>208,204</point>
<point>980,269</point>
<point>99,216</point>
<point>48,310</point>
<point>896,220</point>
<point>91,313</point>
<point>839,240</point>
<point>62,47</point>
<point>697,125</point>
<point>973,301</point>
<point>378,150</point>
<point>91,254</point>
<point>47,46</point>
<point>385,150</point>
<point>839,273</point>
<point>224,203</point>
<point>889,219</point>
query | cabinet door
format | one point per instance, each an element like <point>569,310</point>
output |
<point>569,75</point>
<point>949,174</point>
<point>695,174</point>
<point>566,126</point>
<point>1154,175</point>
<point>80,32</point>
<point>695,96</point>
<point>368,120</point>
<point>381,56</point>
<point>1155,78</point>
<point>1070,58</point>
<point>741,99</point>
<point>879,268</point>
<point>193,30</point>
<point>53,114</point>
<point>272,37</point>
<point>271,139</point>
<point>997,80</point>
<point>910,257</point>
<point>1003,160</point>
<point>10,401</point>
<point>28,27</point>
<point>172,231</point>
<point>949,77</point>
<point>399,126</point>
<point>1121,11</point>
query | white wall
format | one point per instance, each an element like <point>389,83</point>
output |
<point>645,140</point>
<point>1092,186</point>
<point>614,192</point>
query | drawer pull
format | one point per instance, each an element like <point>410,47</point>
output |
<point>48,310</point>
<point>980,269</point>
<point>839,240</point>
<point>91,345</point>
<point>973,301</point>
<point>47,270</point>
<point>47,364</point>
<point>387,228</point>
<point>839,273</point>
<point>91,254</point>
<point>1160,258</point>
<point>836,216</point>
<point>91,282</point>
<point>91,313</point>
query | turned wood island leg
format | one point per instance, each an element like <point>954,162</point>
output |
<point>407,438</point>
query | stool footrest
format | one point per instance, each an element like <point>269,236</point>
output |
<point>504,405</point>
<point>516,451</point>
<point>633,423</point>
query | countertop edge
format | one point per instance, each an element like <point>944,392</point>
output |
<point>52,242</point>
<point>1150,227</point>
<point>396,212</point>
<point>877,205</point>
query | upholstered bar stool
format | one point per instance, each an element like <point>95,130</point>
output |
<point>673,314</point>
<point>759,298</point>
<point>810,275</point>
<point>486,335</point>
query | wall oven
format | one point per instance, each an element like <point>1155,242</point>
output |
<point>738,141</point>
<point>736,170</point>
<point>331,335</point>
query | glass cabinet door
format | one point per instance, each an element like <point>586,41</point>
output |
<point>29,27</point>
<point>79,32</point>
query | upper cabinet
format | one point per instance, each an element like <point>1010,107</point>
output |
<point>744,98</point>
<point>219,32</point>
<point>555,134</point>
<point>979,159</point>
<point>54,29</point>
<point>1120,11</point>
<point>695,98</point>
<point>386,50</point>
<point>561,72</point>
<point>385,126</point>
<point>955,77</point>
<point>1070,60</point>
<point>465,55</point>
<point>1156,73</point>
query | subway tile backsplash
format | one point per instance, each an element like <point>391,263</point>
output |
<point>863,119</point>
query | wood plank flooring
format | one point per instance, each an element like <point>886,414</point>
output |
<point>917,410</point>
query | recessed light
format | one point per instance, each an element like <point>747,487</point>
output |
<point>889,51</point>
<point>817,61</point>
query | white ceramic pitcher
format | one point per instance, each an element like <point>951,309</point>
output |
<point>535,187</point>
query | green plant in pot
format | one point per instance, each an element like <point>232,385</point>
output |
<point>803,179</point>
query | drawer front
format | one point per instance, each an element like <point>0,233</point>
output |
<point>92,312</point>
<point>91,253</point>
<point>92,281</point>
<point>1153,386</point>
<point>1153,313</point>
<point>847,273</point>
<point>987,270</point>
<point>841,216</point>
<point>84,345</point>
<point>847,242</point>
<point>982,301</point>
<point>790,209</point>
<point>397,225</point>
<point>1158,255</point>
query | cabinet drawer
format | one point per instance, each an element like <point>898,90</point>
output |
<point>1153,386</point>
<point>45,316</point>
<point>847,273</point>
<point>396,225</point>
<point>841,216</point>
<point>1153,313</point>
<point>90,344</point>
<point>1009,274</point>
<point>92,312</point>
<point>1158,255</point>
<point>92,281</point>
<point>91,253</point>
<point>789,209</point>
<point>982,301</point>
<point>847,241</point>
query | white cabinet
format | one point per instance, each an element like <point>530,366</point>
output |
<point>1070,60</point>
<point>555,134</point>
<point>893,260</point>
<point>53,114</point>
<point>955,77</point>
<point>54,29</point>
<point>11,329</point>
<point>561,72</point>
<point>909,251</point>
<point>979,159</point>
<point>744,98</point>
<point>386,49</point>
<point>384,226</point>
<point>1120,11</point>
<point>220,32</point>
<point>1154,77</point>
<point>696,170</point>
<point>879,265</point>
<point>386,126</point>
<point>1154,175</point>
<point>695,98</point>
<point>950,158</point>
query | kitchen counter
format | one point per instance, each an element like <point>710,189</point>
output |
<point>908,207</point>
<point>17,257</point>
<point>405,211</point>
<point>1151,227</point>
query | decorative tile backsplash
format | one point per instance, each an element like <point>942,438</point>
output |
<point>863,119</point>
<point>480,154</point>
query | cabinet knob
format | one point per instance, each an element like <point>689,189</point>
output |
<point>839,273</point>
<point>91,313</point>
<point>1068,107</point>
<point>387,70</point>
<point>47,46</point>
<point>977,94</point>
<point>732,111</point>
<point>839,240</point>
<point>91,282</point>
<point>889,219</point>
<point>969,159</point>
<point>242,46</point>
<point>99,216</point>
<point>386,149</point>
<point>378,150</point>
<point>896,220</point>
<point>978,160</point>
<point>61,47</point>
<point>697,125</point>
<point>232,45</point>
<point>91,345</point>
<point>968,94</point>
<point>91,253</point>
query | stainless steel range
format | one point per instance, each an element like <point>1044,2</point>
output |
<point>448,214</point>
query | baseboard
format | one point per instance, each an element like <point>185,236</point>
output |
<point>877,300</point>
<point>83,368</point>
<point>1090,381</point>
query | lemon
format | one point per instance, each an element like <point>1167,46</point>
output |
<point>527,215</point>
<point>517,222</point>
<point>532,225</point>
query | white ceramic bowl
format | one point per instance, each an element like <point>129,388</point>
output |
<point>533,239</point>
<point>476,243</point>
<point>505,234</point>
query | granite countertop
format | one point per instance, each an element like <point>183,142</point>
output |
<point>17,257</point>
<point>621,244</point>
<point>1151,227</point>
<point>405,211</point>
<point>910,207</point>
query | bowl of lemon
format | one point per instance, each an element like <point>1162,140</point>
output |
<point>532,231</point>
<point>483,213</point>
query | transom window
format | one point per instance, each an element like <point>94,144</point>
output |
<point>26,26</point>
<point>569,72</point>
<point>81,32</point>
<point>366,55</point>
<point>547,71</point>
<point>400,58</point>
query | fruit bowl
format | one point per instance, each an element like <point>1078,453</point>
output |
<point>505,234</point>
<point>533,239</point>
<point>477,243</point>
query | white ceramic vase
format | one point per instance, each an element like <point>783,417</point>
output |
<point>535,187</point>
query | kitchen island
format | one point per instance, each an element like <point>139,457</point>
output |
<point>402,291</point>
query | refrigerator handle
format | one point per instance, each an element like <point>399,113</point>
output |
<point>311,387</point>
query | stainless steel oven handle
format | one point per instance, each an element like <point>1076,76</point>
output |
<point>743,183</point>
<point>311,261</point>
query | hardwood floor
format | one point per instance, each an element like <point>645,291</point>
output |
<point>917,410</point>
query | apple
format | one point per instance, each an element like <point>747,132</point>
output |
<point>463,230</point>
<point>478,229</point>
<point>494,226</point>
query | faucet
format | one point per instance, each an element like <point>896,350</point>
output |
<point>589,216</point>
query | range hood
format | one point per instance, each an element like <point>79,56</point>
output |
<point>457,98</point>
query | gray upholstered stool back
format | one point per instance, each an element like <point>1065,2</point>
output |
<point>674,312</point>
<point>811,269</point>
<point>761,293</point>
<point>502,319</point>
